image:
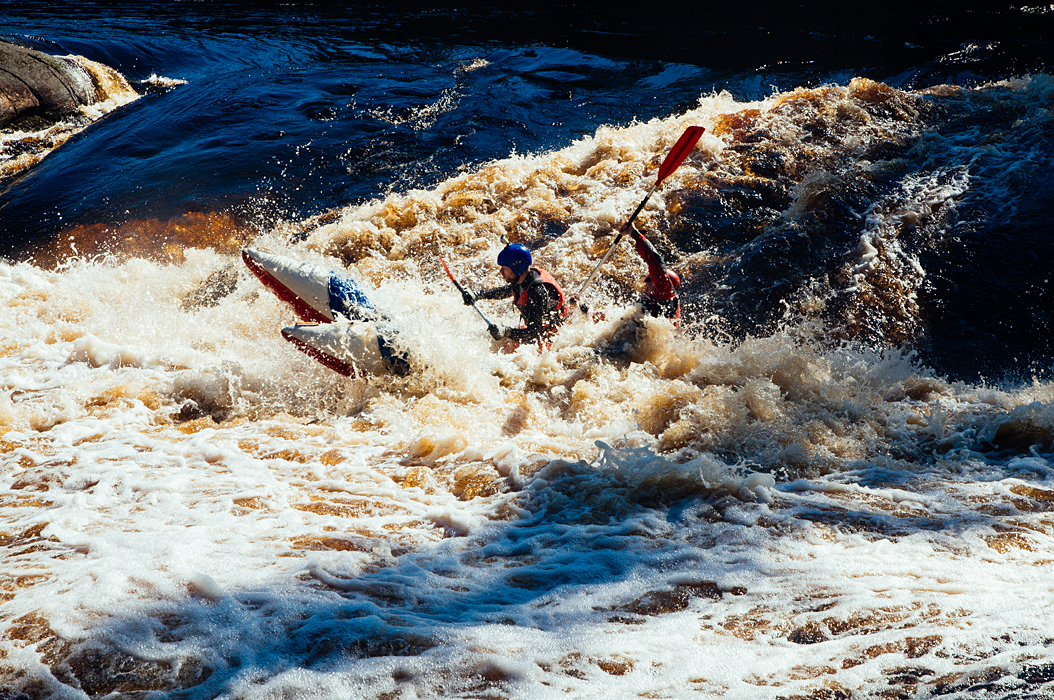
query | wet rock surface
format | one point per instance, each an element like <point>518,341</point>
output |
<point>33,83</point>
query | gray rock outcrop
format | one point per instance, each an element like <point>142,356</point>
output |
<point>36,83</point>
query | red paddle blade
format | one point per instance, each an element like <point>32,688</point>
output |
<point>680,151</point>
<point>448,272</point>
<point>451,276</point>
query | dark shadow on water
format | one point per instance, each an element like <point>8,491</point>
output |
<point>576,532</point>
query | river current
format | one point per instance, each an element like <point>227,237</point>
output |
<point>832,480</point>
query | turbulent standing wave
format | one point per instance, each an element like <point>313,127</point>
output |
<point>833,480</point>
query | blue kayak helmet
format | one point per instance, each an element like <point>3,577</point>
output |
<point>516,257</point>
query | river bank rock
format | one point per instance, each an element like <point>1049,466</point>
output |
<point>45,100</point>
<point>36,83</point>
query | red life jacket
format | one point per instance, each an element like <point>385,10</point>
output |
<point>551,325</point>
<point>542,277</point>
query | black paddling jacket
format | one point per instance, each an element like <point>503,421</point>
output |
<point>540,301</point>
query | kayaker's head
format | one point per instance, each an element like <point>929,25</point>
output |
<point>514,260</point>
<point>649,286</point>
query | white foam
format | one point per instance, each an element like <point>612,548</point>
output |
<point>761,520</point>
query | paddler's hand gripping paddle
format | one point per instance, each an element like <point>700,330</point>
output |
<point>462,290</point>
<point>674,158</point>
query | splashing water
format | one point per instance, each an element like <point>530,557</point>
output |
<point>779,499</point>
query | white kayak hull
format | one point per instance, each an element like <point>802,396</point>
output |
<point>302,285</point>
<point>318,294</point>
<point>360,342</point>
<point>351,349</point>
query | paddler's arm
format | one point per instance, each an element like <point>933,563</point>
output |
<point>656,269</point>
<point>495,293</point>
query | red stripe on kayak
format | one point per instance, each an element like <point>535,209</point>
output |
<point>302,308</point>
<point>329,361</point>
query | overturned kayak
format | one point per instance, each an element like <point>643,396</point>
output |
<point>345,332</point>
<point>353,349</point>
<point>316,293</point>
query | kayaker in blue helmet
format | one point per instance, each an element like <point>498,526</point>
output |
<point>536,295</point>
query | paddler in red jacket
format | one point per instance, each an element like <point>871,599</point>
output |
<point>536,295</point>
<point>661,285</point>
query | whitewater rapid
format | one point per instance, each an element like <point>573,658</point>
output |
<point>193,508</point>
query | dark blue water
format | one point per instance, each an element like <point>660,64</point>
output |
<point>289,110</point>
<point>315,108</point>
